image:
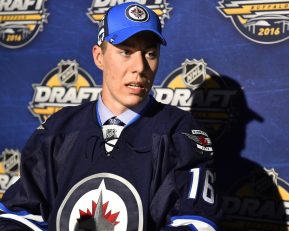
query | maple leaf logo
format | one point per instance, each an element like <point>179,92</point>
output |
<point>98,219</point>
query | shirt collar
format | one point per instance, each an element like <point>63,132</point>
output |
<point>128,116</point>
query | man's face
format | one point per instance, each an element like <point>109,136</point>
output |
<point>128,70</point>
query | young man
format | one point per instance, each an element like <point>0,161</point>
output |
<point>125,162</point>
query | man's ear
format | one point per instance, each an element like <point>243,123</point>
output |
<point>97,56</point>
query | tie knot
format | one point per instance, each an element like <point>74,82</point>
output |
<point>114,121</point>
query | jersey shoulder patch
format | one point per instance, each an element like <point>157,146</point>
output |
<point>202,141</point>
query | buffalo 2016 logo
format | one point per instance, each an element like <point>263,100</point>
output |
<point>66,85</point>
<point>9,169</point>
<point>197,88</point>
<point>261,21</point>
<point>99,8</point>
<point>103,201</point>
<point>20,21</point>
<point>258,201</point>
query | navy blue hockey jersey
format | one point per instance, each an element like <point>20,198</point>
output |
<point>159,175</point>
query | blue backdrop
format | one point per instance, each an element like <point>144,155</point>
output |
<point>236,75</point>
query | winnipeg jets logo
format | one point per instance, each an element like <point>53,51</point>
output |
<point>103,201</point>
<point>137,13</point>
<point>203,142</point>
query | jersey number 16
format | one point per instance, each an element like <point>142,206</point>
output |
<point>208,189</point>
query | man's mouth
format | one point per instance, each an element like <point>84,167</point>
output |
<point>135,86</point>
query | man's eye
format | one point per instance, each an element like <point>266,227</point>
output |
<point>125,52</point>
<point>151,54</point>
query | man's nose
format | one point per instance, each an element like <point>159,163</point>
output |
<point>139,64</point>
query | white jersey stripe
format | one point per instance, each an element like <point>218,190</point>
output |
<point>198,224</point>
<point>21,220</point>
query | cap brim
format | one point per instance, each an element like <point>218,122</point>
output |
<point>122,35</point>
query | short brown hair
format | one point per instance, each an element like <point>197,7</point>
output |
<point>103,46</point>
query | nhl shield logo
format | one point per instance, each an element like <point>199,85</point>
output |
<point>11,159</point>
<point>111,134</point>
<point>68,72</point>
<point>194,72</point>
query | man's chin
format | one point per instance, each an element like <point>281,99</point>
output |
<point>135,101</point>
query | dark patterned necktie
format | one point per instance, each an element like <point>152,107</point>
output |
<point>111,130</point>
<point>114,121</point>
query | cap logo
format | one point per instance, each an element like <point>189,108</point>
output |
<point>137,13</point>
<point>100,36</point>
<point>101,31</point>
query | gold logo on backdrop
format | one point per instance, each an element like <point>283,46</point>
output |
<point>66,85</point>
<point>261,21</point>
<point>20,21</point>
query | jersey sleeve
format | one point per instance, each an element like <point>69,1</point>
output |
<point>24,205</point>
<point>185,197</point>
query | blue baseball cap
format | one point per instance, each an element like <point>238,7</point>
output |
<point>125,20</point>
